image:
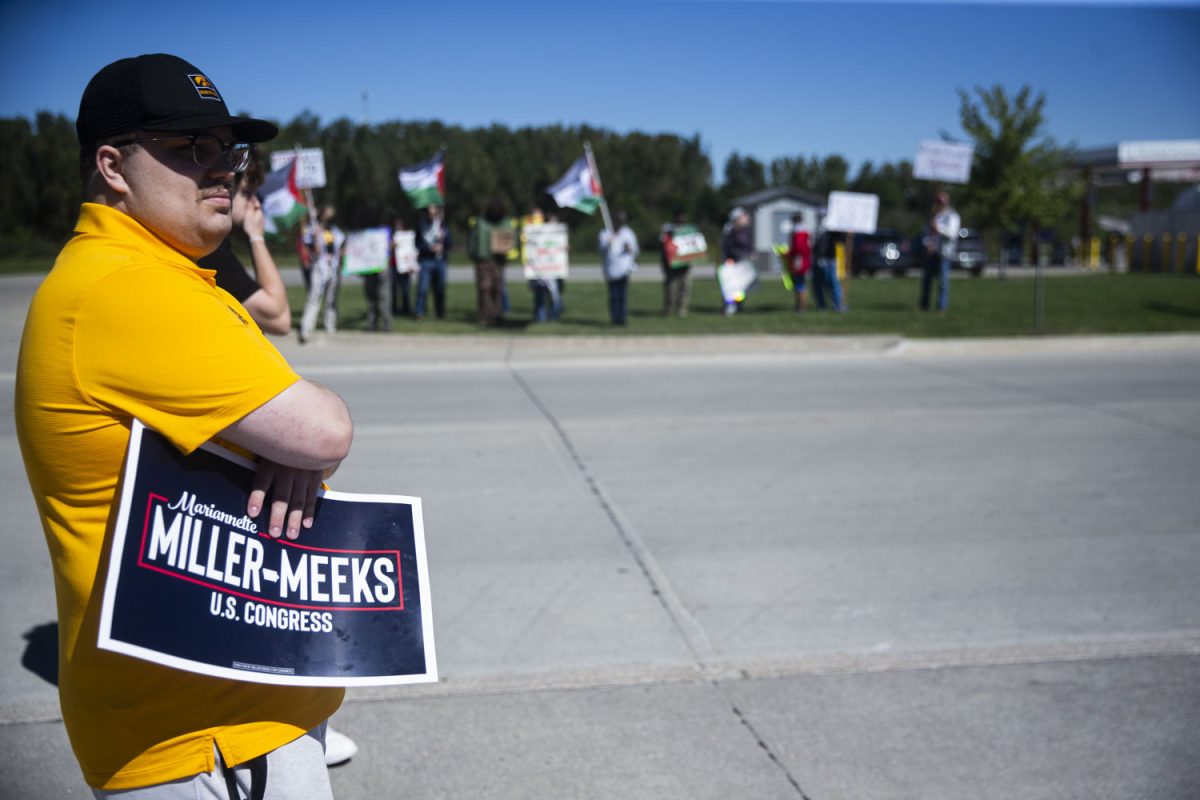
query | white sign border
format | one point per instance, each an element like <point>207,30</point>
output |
<point>106,642</point>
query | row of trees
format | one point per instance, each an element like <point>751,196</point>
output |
<point>1018,181</point>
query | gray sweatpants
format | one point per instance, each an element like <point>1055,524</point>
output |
<point>295,771</point>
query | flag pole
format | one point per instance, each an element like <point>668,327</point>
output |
<point>591,159</point>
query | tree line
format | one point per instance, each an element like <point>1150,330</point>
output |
<point>1019,180</point>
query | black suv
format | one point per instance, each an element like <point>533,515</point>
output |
<point>972,254</point>
<point>883,250</point>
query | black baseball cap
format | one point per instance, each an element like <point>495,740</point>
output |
<point>157,92</point>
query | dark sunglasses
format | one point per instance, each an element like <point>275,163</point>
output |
<point>208,151</point>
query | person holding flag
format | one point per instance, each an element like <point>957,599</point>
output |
<point>425,185</point>
<point>620,251</point>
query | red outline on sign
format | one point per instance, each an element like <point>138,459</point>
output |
<point>226,590</point>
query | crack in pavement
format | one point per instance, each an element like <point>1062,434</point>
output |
<point>689,628</point>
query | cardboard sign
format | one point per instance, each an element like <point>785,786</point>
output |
<point>195,584</point>
<point>311,172</point>
<point>404,250</point>
<point>687,244</point>
<point>366,252</point>
<point>501,241</point>
<point>544,250</point>
<point>949,162</point>
<point>852,212</point>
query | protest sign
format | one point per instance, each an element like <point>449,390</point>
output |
<point>544,250</point>
<point>686,243</point>
<point>852,212</point>
<point>195,584</point>
<point>949,162</point>
<point>366,252</point>
<point>736,280</point>
<point>311,172</point>
<point>404,248</point>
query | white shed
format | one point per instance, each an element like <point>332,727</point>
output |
<point>771,213</point>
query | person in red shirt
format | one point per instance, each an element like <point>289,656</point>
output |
<point>799,261</point>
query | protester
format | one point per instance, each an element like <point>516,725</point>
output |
<point>619,250</point>
<point>676,277</point>
<point>401,280</point>
<point>433,240</point>
<point>825,276</point>
<point>264,295</point>
<point>941,246</point>
<point>158,150</point>
<point>377,291</point>
<point>736,248</point>
<point>324,242</point>
<point>547,302</point>
<point>491,239</point>
<point>799,261</point>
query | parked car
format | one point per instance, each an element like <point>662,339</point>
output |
<point>883,250</point>
<point>972,254</point>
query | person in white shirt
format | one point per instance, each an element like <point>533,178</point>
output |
<point>620,251</point>
<point>941,246</point>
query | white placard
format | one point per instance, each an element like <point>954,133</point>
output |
<point>404,247</point>
<point>366,251</point>
<point>852,212</point>
<point>949,162</point>
<point>544,250</point>
<point>311,174</point>
<point>1158,152</point>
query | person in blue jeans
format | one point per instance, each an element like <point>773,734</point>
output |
<point>433,240</point>
<point>620,251</point>
<point>941,246</point>
<point>825,277</point>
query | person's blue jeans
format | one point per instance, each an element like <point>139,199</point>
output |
<point>547,303</point>
<point>937,266</point>
<point>433,275</point>
<point>617,293</point>
<point>825,280</point>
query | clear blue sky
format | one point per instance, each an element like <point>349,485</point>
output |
<point>767,79</point>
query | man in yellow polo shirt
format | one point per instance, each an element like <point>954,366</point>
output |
<point>125,326</point>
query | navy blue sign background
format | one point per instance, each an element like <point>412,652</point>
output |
<point>198,587</point>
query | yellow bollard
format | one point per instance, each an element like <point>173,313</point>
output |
<point>1094,254</point>
<point>840,250</point>
<point>1147,259</point>
<point>1180,252</point>
<point>1129,252</point>
<point>1166,253</point>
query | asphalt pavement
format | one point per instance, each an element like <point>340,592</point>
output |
<point>763,566</point>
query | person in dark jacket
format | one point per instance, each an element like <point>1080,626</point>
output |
<point>433,241</point>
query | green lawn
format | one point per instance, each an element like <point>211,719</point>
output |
<point>979,307</point>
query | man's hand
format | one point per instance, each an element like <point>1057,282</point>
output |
<point>293,495</point>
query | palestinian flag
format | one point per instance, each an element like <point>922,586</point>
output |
<point>282,201</point>
<point>578,189</point>
<point>425,183</point>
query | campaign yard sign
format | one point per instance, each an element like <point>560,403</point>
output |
<point>366,251</point>
<point>545,251</point>
<point>195,584</point>
<point>311,172</point>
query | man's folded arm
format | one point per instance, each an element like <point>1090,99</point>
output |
<point>306,426</point>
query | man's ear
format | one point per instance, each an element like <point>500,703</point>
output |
<point>110,167</point>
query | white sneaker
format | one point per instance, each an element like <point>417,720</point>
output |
<point>339,748</point>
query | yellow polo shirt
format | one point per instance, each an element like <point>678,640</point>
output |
<point>123,327</point>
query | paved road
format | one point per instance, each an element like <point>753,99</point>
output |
<point>756,567</point>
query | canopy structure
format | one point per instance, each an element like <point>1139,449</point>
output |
<point>1144,162</point>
